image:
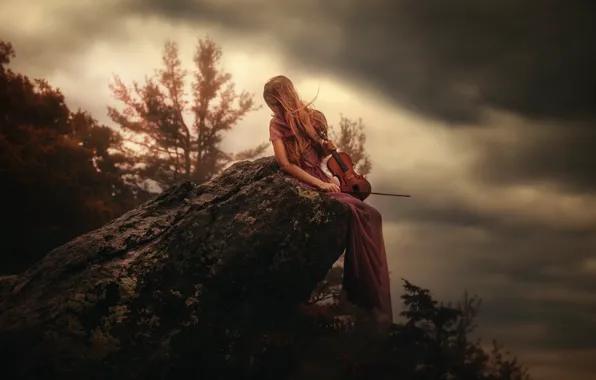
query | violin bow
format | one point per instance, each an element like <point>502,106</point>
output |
<point>391,195</point>
<point>372,192</point>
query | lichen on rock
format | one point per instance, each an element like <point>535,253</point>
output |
<point>307,193</point>
<point>196,267</point>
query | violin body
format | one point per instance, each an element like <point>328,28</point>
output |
<point>340,165</point>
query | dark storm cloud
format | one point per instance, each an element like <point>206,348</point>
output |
<point>445,58</point>
<point>566,324</point>
<point>517,247</point>
<point>539,271</point>
<point>567,154</point>
<point>539,264</point>
<point>448,60</point>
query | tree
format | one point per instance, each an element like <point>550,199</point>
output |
<point>433,343</point>
<point>173,138</point>
<point>440,335</point>
<point>57,170</point>
<point>351,139</point>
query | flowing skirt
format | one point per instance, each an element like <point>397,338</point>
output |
<point>366,274</point>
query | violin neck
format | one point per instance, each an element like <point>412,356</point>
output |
<point>335,155</point>
<point>339,160</point>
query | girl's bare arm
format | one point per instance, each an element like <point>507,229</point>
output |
<point>288,167</point>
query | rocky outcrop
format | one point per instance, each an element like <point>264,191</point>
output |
<point>177,286</point>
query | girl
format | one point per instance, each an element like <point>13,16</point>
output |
<point>299,152</point>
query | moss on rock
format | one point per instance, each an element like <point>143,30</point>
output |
<point>179,284</point>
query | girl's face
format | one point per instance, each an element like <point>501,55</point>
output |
<point>274,106</point>
<point>278,110</point>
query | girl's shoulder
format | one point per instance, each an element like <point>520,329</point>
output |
<point>278,128</point>
<point>278,123</point>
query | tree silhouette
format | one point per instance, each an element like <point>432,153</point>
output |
<point>350,138</point>
<point>432,343</point>
<point>58,173</point>
<point>173,138</point>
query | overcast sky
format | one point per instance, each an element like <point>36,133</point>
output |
<point>484,111</point>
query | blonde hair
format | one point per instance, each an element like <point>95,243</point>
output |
<point>302,118</point>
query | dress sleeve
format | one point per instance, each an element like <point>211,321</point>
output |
<point>278,131</point>
<point>274,132</point>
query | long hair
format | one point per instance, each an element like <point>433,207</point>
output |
<point>304,121</point>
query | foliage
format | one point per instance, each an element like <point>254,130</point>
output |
<point>59,174</point>
<point>64,174</point>
<point>351,139</point>
<point>433,343</point>
<point>172,137</point>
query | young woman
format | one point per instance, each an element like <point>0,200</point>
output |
<point>299,152</point>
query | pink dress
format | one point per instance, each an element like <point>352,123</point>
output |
<point>366,275</point>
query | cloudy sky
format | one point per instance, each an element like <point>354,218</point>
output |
<point>484,111</point>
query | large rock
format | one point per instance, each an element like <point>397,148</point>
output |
<point>176,286</point>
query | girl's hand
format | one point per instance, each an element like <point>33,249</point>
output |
<point>329,145</point>
<point>329,187</point>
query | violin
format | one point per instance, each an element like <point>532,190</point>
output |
<point>340,165</point>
